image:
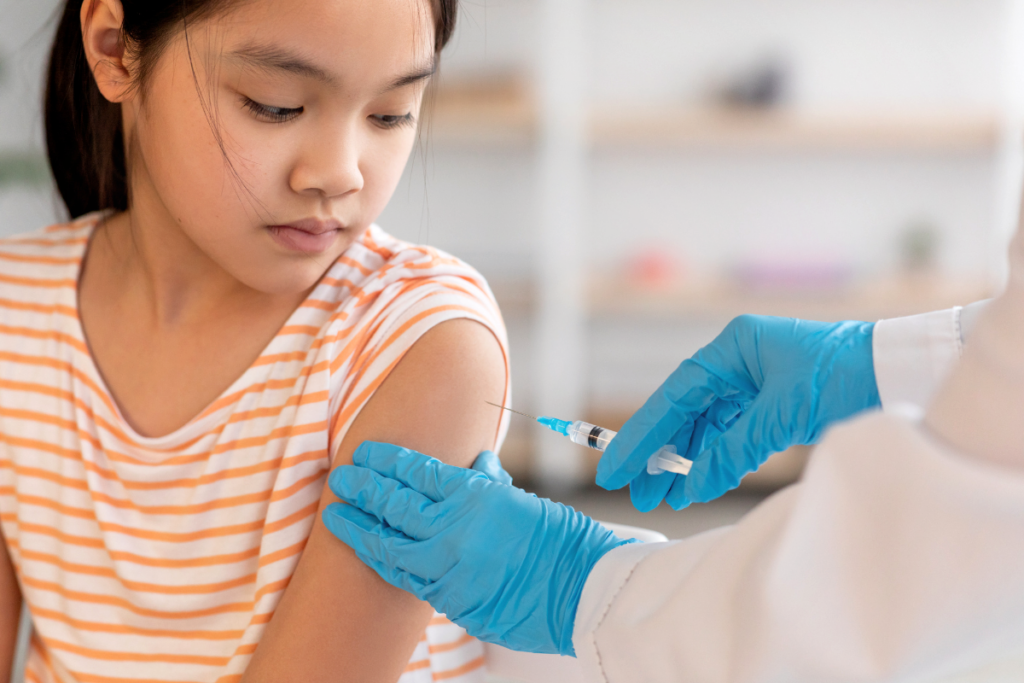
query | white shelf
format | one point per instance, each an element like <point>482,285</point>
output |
<point>717,298</point>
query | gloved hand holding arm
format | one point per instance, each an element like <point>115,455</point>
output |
<point>507,566</point>
<point>763,385</point>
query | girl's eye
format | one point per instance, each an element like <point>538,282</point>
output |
<point>388,121</point>
<point>265,112</point>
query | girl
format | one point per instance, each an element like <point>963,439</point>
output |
<point>181,366</point>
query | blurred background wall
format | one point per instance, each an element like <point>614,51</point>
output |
<point>630,174</point>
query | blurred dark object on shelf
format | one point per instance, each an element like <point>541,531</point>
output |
<point>23,169</point>
<point>762,85</point>
<point>919,247</point>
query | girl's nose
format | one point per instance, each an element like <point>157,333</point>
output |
<point>329,166</point>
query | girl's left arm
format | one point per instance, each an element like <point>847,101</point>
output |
<point>338,620</point>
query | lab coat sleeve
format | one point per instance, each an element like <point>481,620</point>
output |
<point>895,558</point>
<point>914,354</point>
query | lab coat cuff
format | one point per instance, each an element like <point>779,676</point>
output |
<point>606,579</point>
<point>913,355</point>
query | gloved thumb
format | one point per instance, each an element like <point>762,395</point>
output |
<point>489,464</point>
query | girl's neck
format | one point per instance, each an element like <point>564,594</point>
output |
<point>167,275</point>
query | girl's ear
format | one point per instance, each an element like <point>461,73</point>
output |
<point>104,49</point>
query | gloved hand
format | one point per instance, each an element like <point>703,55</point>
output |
<point>488,463</point>
<point>505,565</point>
<point>763,385</point>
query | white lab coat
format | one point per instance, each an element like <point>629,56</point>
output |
<point>896,558</point>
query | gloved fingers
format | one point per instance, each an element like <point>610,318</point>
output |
<point>353,527</point>
<point>391,550</point>
<point>345,522</point>
<point>688,392</point>
<point>722,414</point>
<point>705,430</point>
<point>713,475</point>
<point>386,499</point>
<point>676,496</point>
<point>634,463</point>
<point>766,428</point>
<point>741,449</point>
<point>429,476</point>
<point>488,463</point>
<point>646,491</point>
<point>737,351</point>
<point>396,577</point>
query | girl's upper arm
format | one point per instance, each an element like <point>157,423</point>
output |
<point>338,620</point>
<point>10,611</point>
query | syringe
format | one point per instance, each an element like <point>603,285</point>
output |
<point>585,434</point>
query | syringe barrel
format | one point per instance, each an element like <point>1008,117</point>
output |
<point>591,436</point>
<point>664,460</point>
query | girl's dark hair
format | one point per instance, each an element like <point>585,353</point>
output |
<point>84,136</point>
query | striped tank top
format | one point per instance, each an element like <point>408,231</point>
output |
<point>163,559</point>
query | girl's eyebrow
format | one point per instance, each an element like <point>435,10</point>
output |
<point>273,58</point>
<point>412,77</point>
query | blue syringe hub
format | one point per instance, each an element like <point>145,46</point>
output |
<point>555,425</point>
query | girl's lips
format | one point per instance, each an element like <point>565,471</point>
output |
<point>303,241</point>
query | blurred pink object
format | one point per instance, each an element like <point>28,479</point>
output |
<point>655,267</point>
<point>818,275</point>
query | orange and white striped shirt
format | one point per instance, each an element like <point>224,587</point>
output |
<point>162,559</point>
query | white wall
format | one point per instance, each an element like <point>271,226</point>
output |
<point>853,56</point>
<point>712,208</point>
<point>24,44</point>
<point>859,54</point>
<point>717,208</point>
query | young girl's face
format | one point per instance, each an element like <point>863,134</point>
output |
<point>296,113</point>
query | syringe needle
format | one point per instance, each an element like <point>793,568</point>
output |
<point>511,411</point>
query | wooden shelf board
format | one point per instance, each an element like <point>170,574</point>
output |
<point>499,112</point>
<point>869,300</point>
<point>685,128</point>
<point>508,117</point>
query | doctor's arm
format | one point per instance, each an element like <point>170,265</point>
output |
<point>897,557</point>
<point>913,355</point>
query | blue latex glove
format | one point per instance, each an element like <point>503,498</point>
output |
<point>503,564</point>
<point>763,385</point>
